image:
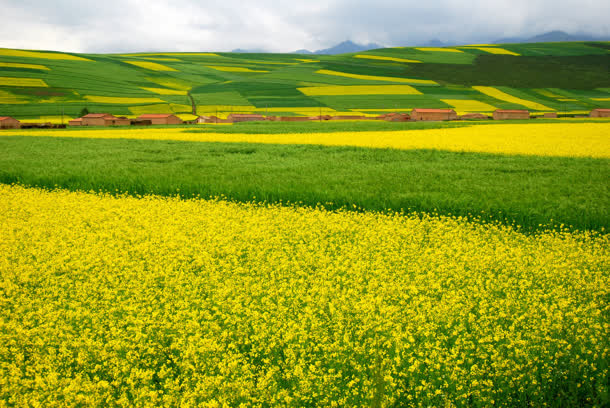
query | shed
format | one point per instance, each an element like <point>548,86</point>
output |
<point>161,118</point>
<point>120,121</point>
<point>507,114</point>
<point>550,115</point>
<point>6,122</point>
<point>76,122</point>
<point>433,114</point>
<point>600,113</point>
<point>244,117</point>
<point>95,119</point>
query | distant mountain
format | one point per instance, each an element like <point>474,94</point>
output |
<point>433,43</point>
<point>253,51</point>
<point>552,36</point>
<point>349,46</point>
<point>342,48</point>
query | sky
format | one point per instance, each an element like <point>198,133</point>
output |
<point>283,26</point>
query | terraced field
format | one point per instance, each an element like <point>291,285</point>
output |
<point>358,263</point>
<point>560,77</point>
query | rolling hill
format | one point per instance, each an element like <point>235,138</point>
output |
<point>562,77</point>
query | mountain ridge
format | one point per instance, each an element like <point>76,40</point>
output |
<point>349,46</point>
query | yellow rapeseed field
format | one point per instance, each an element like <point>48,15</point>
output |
<point>503,96</point>
<point>122,301</point>
<point>171,83</point>
<point>121,100</point>
<point>465,105</point>
<point>163,59</point>
<point>495,50</point>
<point>164,91</point>
<point>19,65</point>
<point>547,139</point>
<point>234,69</point>
<point>381,58</point>
<point>194,54</point>
<point>25,82</point>
<point>153,66</point>
<point>9,98</point>
<point>547,93</point>
<point>37,54</point>
<point>376,78</point>
<point>437,49</point>
<point>360,90</point>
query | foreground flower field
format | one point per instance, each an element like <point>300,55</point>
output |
<point>549,139</point>
<point>123,301</point>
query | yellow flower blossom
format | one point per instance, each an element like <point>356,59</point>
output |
<point>153,66</point>
<point>25,82</point>
<point>503,96</point>
<point>152,301</point>
<point>377,78</point>
<point>562,139</point>
<point>37,54</point>
<point>360,90</point>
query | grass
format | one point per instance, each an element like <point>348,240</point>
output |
<point>570,72</point>
<point>526,190</point>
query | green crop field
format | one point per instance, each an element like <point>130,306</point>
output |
<point>562,77</point>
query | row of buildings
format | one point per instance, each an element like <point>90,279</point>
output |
<point>106,119</point>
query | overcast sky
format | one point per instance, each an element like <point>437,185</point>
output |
<point>282,26</point>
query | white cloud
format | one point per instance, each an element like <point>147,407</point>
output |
<point>222,25</point>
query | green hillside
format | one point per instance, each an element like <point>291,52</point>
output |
<point>562,77</point>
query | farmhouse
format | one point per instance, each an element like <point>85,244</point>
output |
<point>504,114</point>
<point>433,114</point>
<point>161,118</point>
<point>76,122</point>
<point>6,122</point>
<point>244,117</point>
<point>103,119</point>
<point>600,113</point>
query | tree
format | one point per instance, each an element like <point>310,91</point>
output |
<point>84,112</point>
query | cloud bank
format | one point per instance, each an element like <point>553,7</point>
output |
<point>279,26</point>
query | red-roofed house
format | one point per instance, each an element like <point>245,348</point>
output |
<point>103,119</point>
<point>6,122</point>
<point>600,113</point>
<point>503,114</point>
<point>244,117</point>
<point>76,122</point>
<point>433,114</point>
<point>161,118</point>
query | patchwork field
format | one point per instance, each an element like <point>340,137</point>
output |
<point>559,77</point>
<point>357,264</point>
